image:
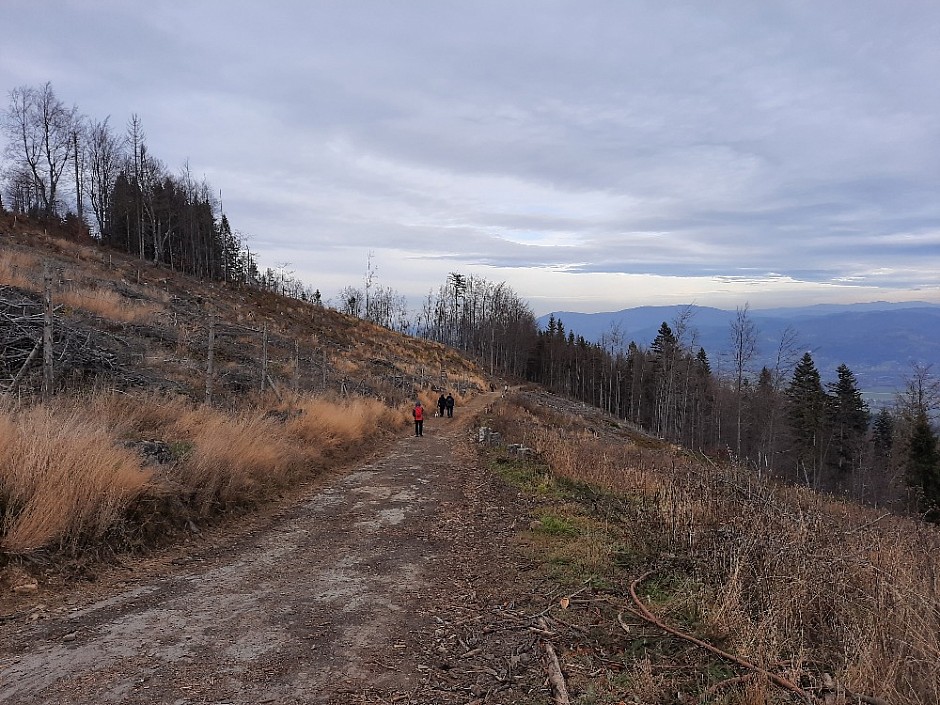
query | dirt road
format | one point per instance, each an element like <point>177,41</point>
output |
<point>384,585</point>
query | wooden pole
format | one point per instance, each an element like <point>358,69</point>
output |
<point>296,366</point>
<point>264,355</point>
<point>48,378</point>
<point>210,362</point>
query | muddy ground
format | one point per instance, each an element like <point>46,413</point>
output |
<point>393,582</point>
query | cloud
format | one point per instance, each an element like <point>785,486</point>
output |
<point>784,150</point>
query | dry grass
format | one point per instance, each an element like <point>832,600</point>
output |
<point>19,269</point>
<point>108,304</point>
<point>25,271</point>
<point>62,479</point>
<point>330,422</point>
<point>233,460</point>
<point>779,574</point>
<point>67,477</point>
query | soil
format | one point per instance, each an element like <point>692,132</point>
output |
<point>395,581</point>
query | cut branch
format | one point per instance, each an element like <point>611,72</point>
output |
<point>555,675</point>
<point>651,618</point>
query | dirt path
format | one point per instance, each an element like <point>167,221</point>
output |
<point>382,586</point>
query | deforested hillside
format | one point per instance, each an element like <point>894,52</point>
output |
<point>122,323</point>
<point>536,549</point>
<point>167,401</point>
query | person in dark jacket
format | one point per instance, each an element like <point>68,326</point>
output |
<point>450,406</point>
<point>441,405</point>
<point>418,413</point>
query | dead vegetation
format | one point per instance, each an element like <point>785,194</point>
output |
<point>831,598</point>
<point>76,473</point>
<point>128,447</point>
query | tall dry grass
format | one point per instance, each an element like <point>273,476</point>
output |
<point>62,478</point>
<point>68,477</point>
<point>19,269</point>
<point>786,575</point>
<point>233,460</point>
<point>330,422</point>
<point>108,304</point>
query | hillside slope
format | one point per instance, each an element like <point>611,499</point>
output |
<point>124,324</point>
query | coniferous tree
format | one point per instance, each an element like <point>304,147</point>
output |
<point>883,432</point>
<point>806,412</point>
<point>760,411</point>
<point>923,465</point>
<point>849,418</point>
<point>664,349</point>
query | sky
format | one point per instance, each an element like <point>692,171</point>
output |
<point>593,155</point>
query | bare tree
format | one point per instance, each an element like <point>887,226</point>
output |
<point>104,154</point>
<point>921,392</point>
<point>41,132</point>
<point>743,349</point>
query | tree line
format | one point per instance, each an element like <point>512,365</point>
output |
<point>65,167</point>
<point>782,420</point>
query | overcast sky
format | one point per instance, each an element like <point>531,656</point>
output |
<point>593,155</point>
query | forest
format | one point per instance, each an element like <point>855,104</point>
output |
<point>105,185</point>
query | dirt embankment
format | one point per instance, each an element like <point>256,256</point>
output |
<point>391,583</point>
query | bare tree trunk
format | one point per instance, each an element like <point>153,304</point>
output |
<point>264,356</point>
<point>48,378</point>
<point>210,364</point>
<point>79,208</point>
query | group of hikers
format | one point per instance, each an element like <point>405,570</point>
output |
<point>445,405</point>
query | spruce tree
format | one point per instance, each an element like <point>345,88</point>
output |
<point>883,432</point>
<point>806,412</point>
<point>849,417</point>
<point>923,465</point>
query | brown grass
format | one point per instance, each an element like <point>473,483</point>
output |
<point>62,479</point>
<point>330,422</point>
<point>233,460</point>
<point>108,304</point>
<point>19,269</point>
<point>24,271</point>
<point>779,574</point>
<point>66,477</point>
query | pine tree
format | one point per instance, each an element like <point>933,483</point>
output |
<point>923,465</point>
<point>806,412</point>
<point>849,416</point>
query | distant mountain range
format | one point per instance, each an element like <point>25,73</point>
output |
<point>878,341</point>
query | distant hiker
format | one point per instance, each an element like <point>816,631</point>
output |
<point>450,406</point>
<point>441,405</point>
<point>418,413</point>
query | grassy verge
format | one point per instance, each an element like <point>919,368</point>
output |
<point>799,584</point>
<point>72,473</point>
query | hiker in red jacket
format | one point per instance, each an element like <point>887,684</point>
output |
<point>418,413</point>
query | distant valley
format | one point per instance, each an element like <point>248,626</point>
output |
<point>878,341</point>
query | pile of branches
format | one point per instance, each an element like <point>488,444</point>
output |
<point>77,351</point>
